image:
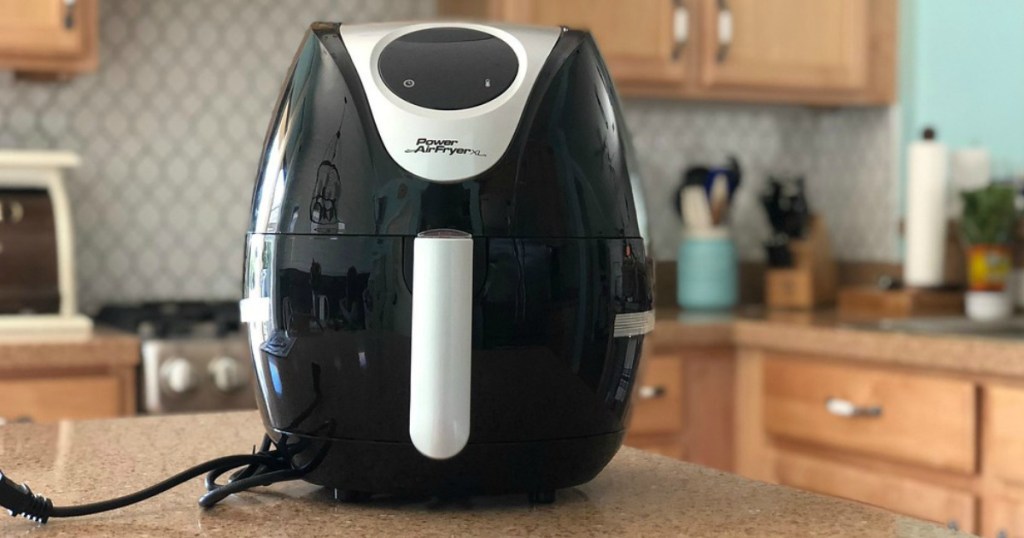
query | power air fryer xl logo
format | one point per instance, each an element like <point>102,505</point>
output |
<point>443,146</point>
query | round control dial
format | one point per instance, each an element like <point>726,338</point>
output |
<point>178,376</point>
<point>448,68</point>
<point>227,374</point>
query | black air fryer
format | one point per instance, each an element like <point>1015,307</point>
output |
<point>446,288</point>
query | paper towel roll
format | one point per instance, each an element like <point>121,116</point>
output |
<point>969,169</point>
<point>927,169</point>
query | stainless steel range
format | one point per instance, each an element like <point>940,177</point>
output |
<point>194,355</point>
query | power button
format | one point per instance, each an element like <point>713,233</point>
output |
<point>448,68</point>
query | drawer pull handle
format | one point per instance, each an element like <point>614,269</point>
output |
<point>649,392</point>
<point>845,408</point>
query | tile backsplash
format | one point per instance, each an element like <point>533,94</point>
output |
<point>170,129</point>
<point>846,155</point>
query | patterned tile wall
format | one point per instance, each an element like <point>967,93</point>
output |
<point>846,155</point>
<point>171,125</point>
<point>170,131</point>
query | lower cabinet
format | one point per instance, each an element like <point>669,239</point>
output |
<point>908,496</point>
<point>940,446</point>
<point>62,396</point>
<point>683,405</point>
<point>1003,517</point>
<point>1002,514</point>
<point>52,380</point>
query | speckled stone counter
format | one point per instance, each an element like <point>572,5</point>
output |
<point>825,333</point>
<point>638,494</point>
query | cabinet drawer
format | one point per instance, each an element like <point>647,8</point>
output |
<point>892,492</point>
<point>1003,442</point>
<point>1002,517</point>
<point>913,418</point>
<point>658,402</point>
<point>56,398</point>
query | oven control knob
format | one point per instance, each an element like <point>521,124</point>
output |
<point>178,375</point>
<point>227,374</point>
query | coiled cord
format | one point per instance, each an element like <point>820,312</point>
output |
<point>271,464</point>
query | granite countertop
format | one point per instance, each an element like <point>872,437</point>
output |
<point>638,494</point>
<point>826,333</point>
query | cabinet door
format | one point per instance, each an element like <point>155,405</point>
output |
<point>872,411</point>
<point>1002,517</point>
<point>48,35</point>
<point>893,492</point>
<point>786,44</point>
<point>658,402</point>
<point>641,40</point>
<point>57,398</point>
<point>1003,441</point>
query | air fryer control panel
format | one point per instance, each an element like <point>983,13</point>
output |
<point>446,97</point>
<point>448,68</point>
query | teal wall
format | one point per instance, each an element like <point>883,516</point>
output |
<point>962,71</point>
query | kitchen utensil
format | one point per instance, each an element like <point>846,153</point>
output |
<point>777,251</point>
<point>704,177</point>
<point>696,213</point>
<point>785,202</point>
<point>719,198</point>
<point>471,316</point>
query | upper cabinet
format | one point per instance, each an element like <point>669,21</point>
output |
<point>642,40</point>
<point>49,37</point>
<point>815,52</point>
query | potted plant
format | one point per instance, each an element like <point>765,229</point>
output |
<point>987,227</point>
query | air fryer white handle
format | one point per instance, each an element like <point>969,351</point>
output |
<point>442,330</point>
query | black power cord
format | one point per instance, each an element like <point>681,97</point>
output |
<point>272,463</point>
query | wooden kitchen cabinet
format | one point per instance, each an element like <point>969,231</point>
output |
<point>794,45</point>
<point>902,494</point>
<point>683,407</point>
<point>840,52</point>
<point>1004,433</point>
<point>642,40</point>
<point>49,36</point>
<point>889,415</point>
<point>52,380</point>
<point>49,399</point>
<point>1003,517</point>
<point>658,408</point>
<point>899,439</point>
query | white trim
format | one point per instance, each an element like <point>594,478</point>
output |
<point>633,324</point>
<point>38,159</point>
